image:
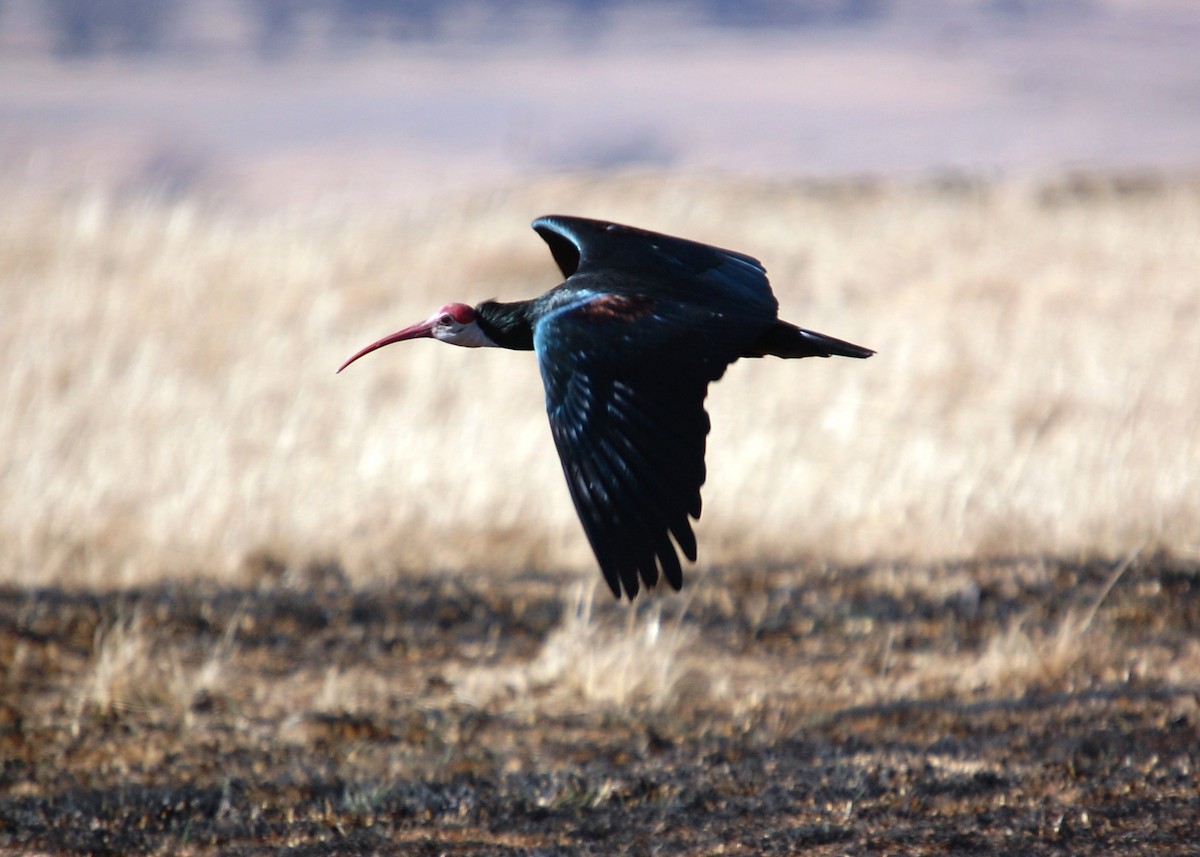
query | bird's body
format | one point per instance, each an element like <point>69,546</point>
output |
<point>627,347</point>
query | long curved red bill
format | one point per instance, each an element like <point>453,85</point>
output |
<point>416,331</point>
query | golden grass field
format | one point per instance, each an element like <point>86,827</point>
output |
<point>947,598</point>
<point>171,404</point>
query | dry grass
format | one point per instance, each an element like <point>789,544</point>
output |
<point>643,663</point>
<point>171,407</point>
<point>246,604</point>
<point>1015,707</point>
<point>134,670</point>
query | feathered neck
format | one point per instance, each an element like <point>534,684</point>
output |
<point>506,324</point>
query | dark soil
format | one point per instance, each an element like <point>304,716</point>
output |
<point>1087,750</point>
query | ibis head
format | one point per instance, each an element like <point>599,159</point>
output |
<point>627,347</point>
<point>457,324</point>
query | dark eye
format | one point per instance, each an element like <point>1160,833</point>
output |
<point>446,320</point>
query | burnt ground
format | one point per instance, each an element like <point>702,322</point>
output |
<point>1019,707</point>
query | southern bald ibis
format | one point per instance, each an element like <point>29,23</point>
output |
<point>627,347</point>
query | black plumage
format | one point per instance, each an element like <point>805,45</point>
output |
<point>627,347</point>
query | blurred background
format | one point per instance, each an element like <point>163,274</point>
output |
<point>410,97</point>
<point>209,205</point>
<point>946,598</point>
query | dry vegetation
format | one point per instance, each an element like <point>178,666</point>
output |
<point>171,405</point>
<point>947,600</point>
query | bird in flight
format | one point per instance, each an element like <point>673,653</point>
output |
<point>627,347</point>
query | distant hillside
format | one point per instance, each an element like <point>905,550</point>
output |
<point>277,28</point>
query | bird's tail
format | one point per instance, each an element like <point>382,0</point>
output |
<point>788,341</point>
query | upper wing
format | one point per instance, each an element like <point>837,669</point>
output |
<point>625,378</point>
<point>688,270</point>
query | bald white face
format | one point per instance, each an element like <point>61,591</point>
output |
<point>458,324</point>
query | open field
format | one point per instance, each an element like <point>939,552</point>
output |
<point>947,602</point>
<point>1023,707</point>
<point>171,405</point>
